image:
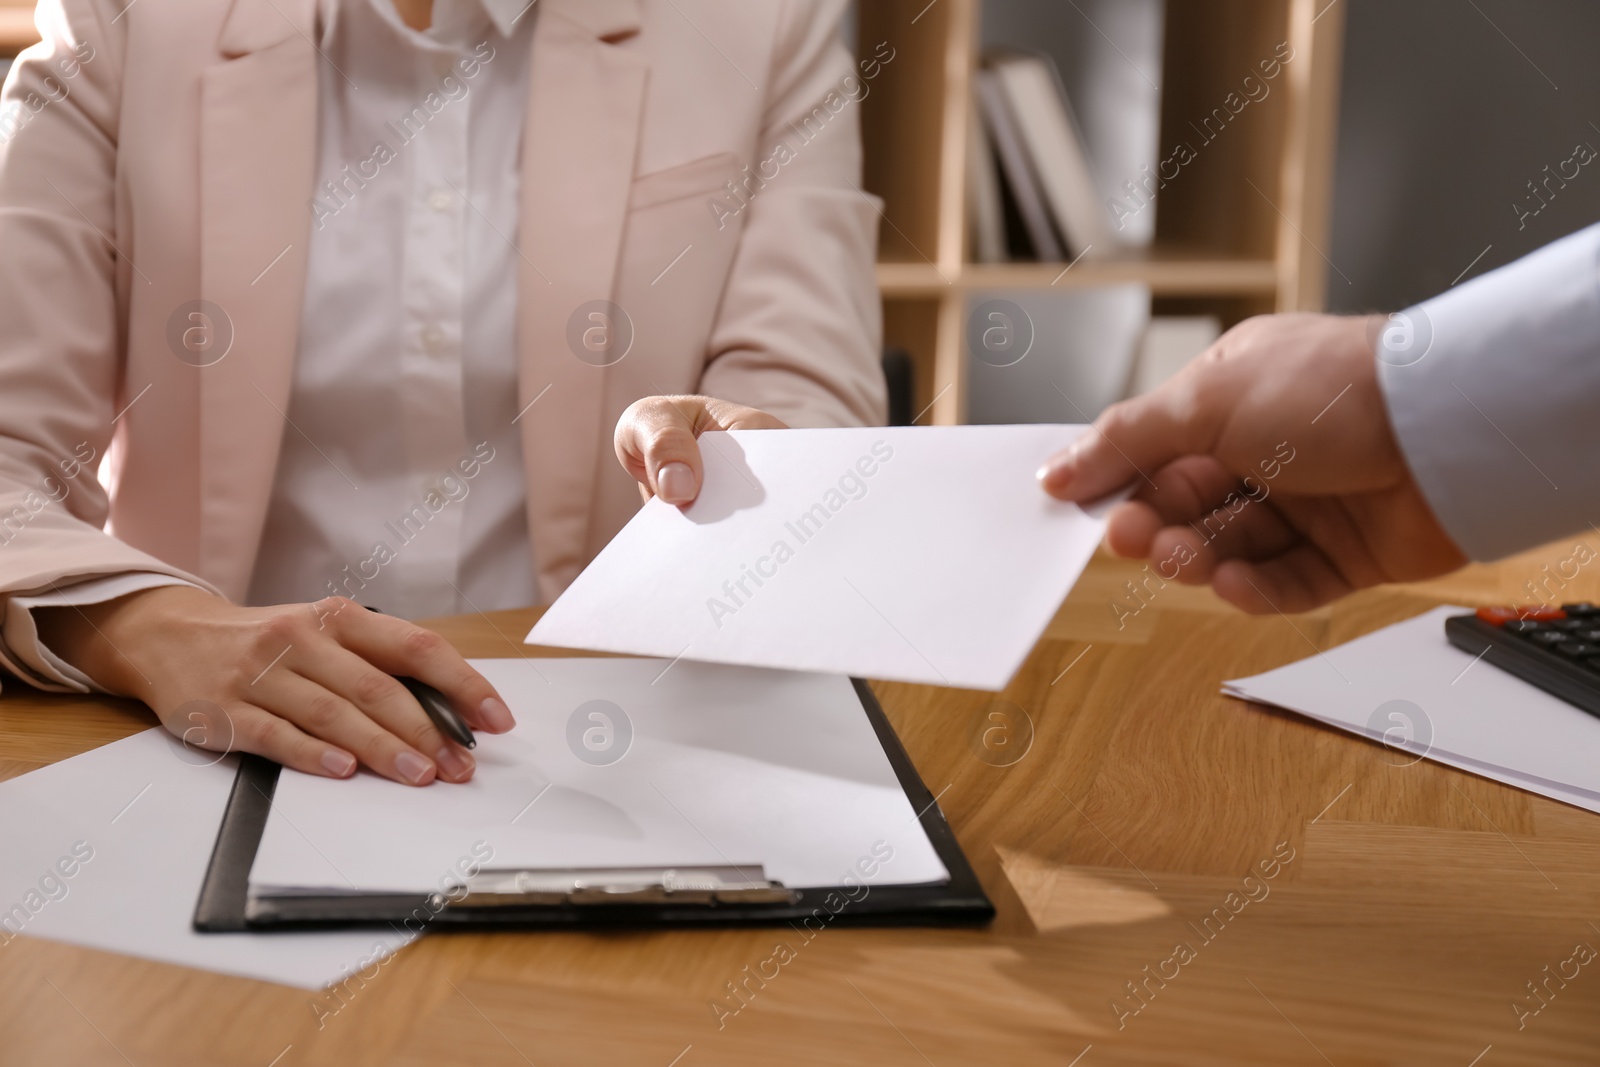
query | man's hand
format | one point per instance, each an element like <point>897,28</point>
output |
<point>308,685</point>
<point>1266,467</point>
<point>656,441</point>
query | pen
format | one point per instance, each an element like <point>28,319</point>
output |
<point>439,710</point>
<point>444,716</point>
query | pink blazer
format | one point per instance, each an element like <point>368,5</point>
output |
<point>171,160</point>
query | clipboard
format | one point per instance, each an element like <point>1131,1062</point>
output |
<point>591,898</point>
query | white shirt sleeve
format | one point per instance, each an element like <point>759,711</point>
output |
<point>36,664</point>
<point>1493,389</point>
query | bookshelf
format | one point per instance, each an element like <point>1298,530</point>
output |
<point>16,27</point>
<point>1237,231</point>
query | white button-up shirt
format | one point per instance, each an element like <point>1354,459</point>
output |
<point>400,480</point>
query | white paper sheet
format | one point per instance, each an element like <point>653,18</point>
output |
<point>1467,715</point>
<point>145,810</point>
<point>913,554</point>
<point>725,766</point>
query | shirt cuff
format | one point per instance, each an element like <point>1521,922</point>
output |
<point>1491,388</point>
<point>36,664</point>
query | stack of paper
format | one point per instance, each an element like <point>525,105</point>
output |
<point>1408,687</point>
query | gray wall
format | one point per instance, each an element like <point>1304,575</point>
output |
<point>1443,122</point>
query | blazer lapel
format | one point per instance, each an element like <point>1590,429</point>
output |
<point>258,123</point>
<point>585,98</point>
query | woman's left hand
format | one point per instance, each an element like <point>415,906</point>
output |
<point>656,441</point>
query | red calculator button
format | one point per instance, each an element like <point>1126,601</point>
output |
<point>1499,616</point>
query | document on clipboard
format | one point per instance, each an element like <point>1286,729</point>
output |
<point>634,791</point>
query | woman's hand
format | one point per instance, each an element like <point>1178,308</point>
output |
<point>1266,467</point>
<point>656,437</point>
<point>308,685</point>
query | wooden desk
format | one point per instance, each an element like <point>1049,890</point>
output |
<point>1418,903</point>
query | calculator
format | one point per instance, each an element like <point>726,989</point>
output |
<point>1556,649</point>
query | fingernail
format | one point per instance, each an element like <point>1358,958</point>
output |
<point>337,763</point>
<point>1057,470</point>
<point>454,764</point>
<point>413,768</point>
<point>675,483</point>
<point>495,715</point>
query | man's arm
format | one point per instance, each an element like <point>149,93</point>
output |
<point>1493,388</point>
<point>1305,456</point>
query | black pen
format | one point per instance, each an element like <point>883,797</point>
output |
<point>439,709</point>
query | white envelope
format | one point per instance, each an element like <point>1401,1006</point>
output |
<point>908,554</point>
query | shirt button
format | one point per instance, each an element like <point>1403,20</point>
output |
<point>440,200</point>
<point>434,340</point>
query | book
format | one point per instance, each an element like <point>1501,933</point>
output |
<point>1112,77</point>
<point>984,208</point>
<point>1018,170</point>
<point>1043,120</point>
<point>1110,57</point>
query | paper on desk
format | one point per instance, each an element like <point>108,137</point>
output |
<point>720,766</point>
<point>1408,683</point>
<point>912,554</point>
<point>145,811</point>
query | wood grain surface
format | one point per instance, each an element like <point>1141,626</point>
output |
<point>1408,907</point>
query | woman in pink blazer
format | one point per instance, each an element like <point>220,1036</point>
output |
<point>281,269</point>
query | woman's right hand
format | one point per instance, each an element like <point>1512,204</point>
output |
<point>311,686</point>
<point>658,441</point>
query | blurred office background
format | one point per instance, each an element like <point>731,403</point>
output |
<point>1403,149</point>
<point>1406,146</point>
<point>1448,110</point>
